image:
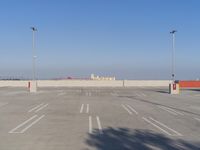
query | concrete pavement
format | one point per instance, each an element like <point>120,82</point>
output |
<point>99,119</point>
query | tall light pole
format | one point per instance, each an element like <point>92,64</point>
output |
<point>173,54</point>
<point>34,53</point>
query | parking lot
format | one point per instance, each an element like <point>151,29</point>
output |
<point>99,119</point>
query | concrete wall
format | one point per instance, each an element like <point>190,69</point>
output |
<point>10,83</point>
<point>87,83</point>
<point>129,83</point>
<point>79,83</point>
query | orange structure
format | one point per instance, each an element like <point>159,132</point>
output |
<point>189,84</point>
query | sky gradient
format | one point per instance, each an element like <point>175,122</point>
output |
<point>128,39</point>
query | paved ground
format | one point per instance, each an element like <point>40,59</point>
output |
<point>99,119</point>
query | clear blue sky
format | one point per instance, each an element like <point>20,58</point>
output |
<point>128,39</point>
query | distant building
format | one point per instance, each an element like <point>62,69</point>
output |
<point>93,77</point>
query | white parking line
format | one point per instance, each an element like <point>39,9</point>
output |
<point>90,124</point>
<point>156,126</point>
<point>163,108</point>
<point>89,94</point>
<point>4,104</point>
<point>137,94</point>
<point>113,94</point>
<point>30,125</point>
<point>60,94</point>
<point>87,111</point>
<point>173,110</point>
<point>81,110</point>
<point>143,94</point>
<point>176,111</point>
<point>36,107</point>
<point>179,134</point>
<point>23,123</point>
<point>99,124</point>
<point>41,108</point>
<point>127,109</point>
<point>132,109</point>
<point>197,119</point>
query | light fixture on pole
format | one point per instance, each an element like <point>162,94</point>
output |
<point>33,87</point>
<point>173,54</point>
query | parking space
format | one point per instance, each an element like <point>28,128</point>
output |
<point>99,118</point>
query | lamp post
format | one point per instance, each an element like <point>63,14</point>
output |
<point>33,53</point>
<point>173,54</point>
<point>33,87</point>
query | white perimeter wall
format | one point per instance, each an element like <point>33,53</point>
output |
<point>79,83</point>
<point>10,83</point>
<point>87,83</point>
<point>129,83</point>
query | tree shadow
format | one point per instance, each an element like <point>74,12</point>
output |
<point>128,139</point>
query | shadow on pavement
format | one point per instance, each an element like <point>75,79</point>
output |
<point>197,90</point>
<point>128,139</point>
<point>163,92</point>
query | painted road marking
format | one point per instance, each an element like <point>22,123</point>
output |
<point>81,110</point>
<point>127,109</point>
<point>140,94</point>
<point>41,108</point>
<point>34,122</point>
<point>176,132</point>
<point>197,119</point>
<point>162,127</point>
<point>176,111</point>
<point>137,94</point>
<point>163,108</point>
<point>4,104</point>
<point>99,124</point>
<point>113,94</point>
<point>132,109</point>
<point>22,124</point>
<point>90,124</point>
<point>36,107</point>
<point>172,110</point>
<point>145,119</point>
<point>89,94</point>
<point>143,94</point>
<point>87,110</point>
<point>60,94</point>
